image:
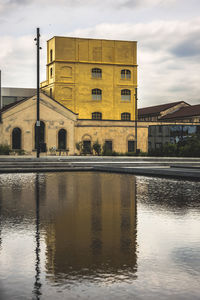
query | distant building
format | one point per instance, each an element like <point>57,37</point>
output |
<point>10,95</point>
<point>156,113</point>
<point>168,123</point>
<point>189,113</point>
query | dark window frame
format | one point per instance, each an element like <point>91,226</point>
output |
<point>96,115</point>
<point>125,116</point>
<point>131,146</point>
<point>126,74</point>
<point>96,73</point>
<point>96,94</point>
<point>51,55</point>
<point>16,139</point>
<point>125,95</point>
<point>108,145</point>
<point>62,139</point>
<point>42,134</point>
<point>87,147</point>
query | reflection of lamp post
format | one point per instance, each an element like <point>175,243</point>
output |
<point>37,284</point>
<point>136,119</point>
<point>37,39</point>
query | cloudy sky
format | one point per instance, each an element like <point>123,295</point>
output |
<point>167,31</point>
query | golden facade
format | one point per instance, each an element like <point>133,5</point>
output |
<point>94,78</point>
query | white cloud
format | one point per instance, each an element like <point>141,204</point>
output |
<point>165,73</point>
<point>168,51</point>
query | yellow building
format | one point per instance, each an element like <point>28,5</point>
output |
<point>94,78</point>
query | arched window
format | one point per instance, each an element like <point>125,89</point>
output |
<point>96,73</point>
<point>16,138</point>
<point>41,134</point>
<point>125,116</point>
<point>51,72</point>
<point>96,94</point>
<point>125,94</point>
<point>62,139</point>
<point>96,116</point>
<point>125,74</point>
<point>50,92</point>
<point>51,55</point>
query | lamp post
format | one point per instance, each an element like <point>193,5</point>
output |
<point>37,39</point>
<point>136,99</point>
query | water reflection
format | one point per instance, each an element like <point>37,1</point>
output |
<point>93,234</point>
<point>79,235</point>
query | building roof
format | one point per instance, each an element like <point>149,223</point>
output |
<point>188,111</point>
<point>155,110</point>
<point>6,107</point>
<point>25,99</point>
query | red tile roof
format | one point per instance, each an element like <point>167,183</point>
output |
<point>188,111</point>
<point>155,110</point>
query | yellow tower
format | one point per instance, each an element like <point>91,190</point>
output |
<point>94,78</point>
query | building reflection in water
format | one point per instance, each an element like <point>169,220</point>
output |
<point>91,232</point>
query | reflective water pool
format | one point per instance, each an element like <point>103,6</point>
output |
<point>98,236</point>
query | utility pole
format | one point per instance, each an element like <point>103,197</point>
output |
<point>136,99</point>
<point>37,39</point>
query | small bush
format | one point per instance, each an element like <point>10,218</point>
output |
<point>20,152</point>
<point>97,148</point>
<point>79,147</point>
<point>5,149</point>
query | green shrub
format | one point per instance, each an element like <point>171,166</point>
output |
<point>5,149</point>
<point>79,147</point>
<point>20,152</point>
<point>97,148</point>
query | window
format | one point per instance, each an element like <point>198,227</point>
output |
<point>96,73</point>
<point>41,136</point>
<point>87,149</point>
<point>131,146</point>
<point>158,145</point>
<point>125,74</point>
<point>108,146</point>
<point>125,116</point>
<point>50,92</point>
<point>51,72</point>
<point>16,138</point>
<point>125,94</point>
<point>62,134</point>
<point>51,55</point>
<point>96,116</point>
<point>96,94</point>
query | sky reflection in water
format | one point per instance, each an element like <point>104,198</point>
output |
<point>94,235</point>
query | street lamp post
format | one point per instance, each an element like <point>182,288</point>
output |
<point>37,39</point>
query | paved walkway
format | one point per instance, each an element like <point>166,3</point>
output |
<point>183,168</point>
